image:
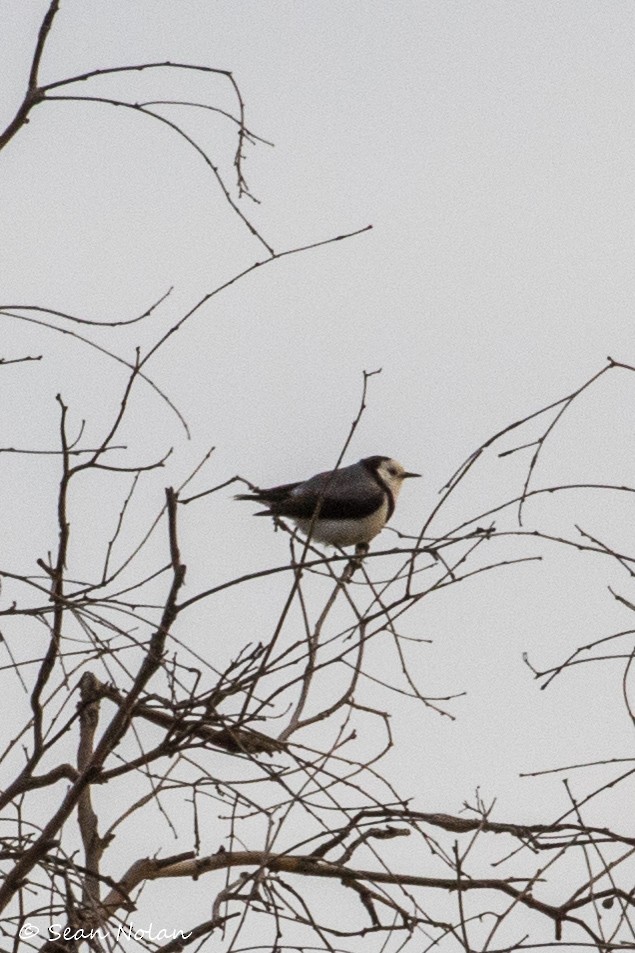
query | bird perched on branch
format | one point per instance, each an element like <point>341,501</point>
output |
<point>346,507</point>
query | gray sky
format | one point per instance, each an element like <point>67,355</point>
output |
<point>490,145</point>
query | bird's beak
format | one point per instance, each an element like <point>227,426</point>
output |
<point>405,476</point>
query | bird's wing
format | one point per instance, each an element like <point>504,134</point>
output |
<point>349,493</point>
<point>346,494</point>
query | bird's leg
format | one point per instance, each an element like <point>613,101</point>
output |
<point>356,561</point>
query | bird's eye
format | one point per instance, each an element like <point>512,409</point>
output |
<point>392,471</point>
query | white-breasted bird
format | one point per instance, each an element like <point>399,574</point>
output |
<point>345,507</point>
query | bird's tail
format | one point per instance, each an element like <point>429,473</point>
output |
<point>254,498</point>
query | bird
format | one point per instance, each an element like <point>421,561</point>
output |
<point>343,507</point>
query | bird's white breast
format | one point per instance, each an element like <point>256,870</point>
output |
<point>346,532</point>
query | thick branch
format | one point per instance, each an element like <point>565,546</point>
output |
<point>88,824</point>
<point>518,888</point>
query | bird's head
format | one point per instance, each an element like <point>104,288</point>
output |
<point>389,471</point>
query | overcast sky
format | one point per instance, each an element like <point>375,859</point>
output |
<point>490,146</point>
